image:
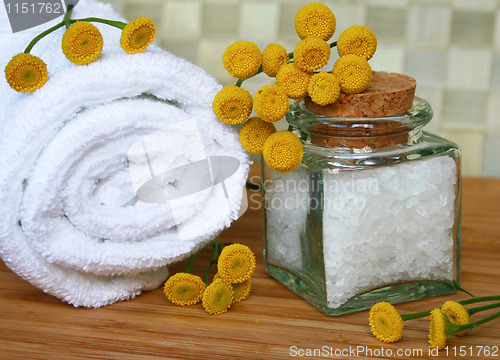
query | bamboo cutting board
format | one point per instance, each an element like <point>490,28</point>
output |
<point>273,323</point>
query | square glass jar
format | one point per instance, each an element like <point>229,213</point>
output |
<point>372,213</point>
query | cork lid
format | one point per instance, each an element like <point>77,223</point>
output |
<point>367,119</point>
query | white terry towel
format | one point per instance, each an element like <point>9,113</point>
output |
<point>85,159</point>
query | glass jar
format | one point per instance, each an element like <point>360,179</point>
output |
<point>372,213</point>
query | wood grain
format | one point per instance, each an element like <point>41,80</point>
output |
<point>34,325</point>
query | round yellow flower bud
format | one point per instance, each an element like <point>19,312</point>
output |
<point>232,105</point>
<point>82,43</point>
<point>311,54</point>
<point>271,103</point>
<point>354,73</point>
<point>184,289</point>
<point>357,40</point>
<point>254,133</point>
<point>274,57</point>
<point>137,35</point>
<point>324,88</point>
<point>242,59</point>
<point>26,72</point>
<point>294,80</point>
<point>217,297</point>
<point>315,19</point>
<point>283,151</point>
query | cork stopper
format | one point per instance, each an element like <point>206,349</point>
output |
<point>388,94</point>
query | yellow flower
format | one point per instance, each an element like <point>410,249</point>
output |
<point>236,263</point>
<point>357,40</point>
<point>184,289</point>
<point>26,73</point>
<point>232,105</point>
<point>138,35</point>
<point>283,151</point>
<point>82,43</point>
<point>274,57</point>
<point>386,323</point>
<point>254,132</point>
<point>241,291</point>
<point>315,19</point>
<point>437,329</point>
<point>217,297</point>
<point>324,88</point>
<point>354,73</point>
<point>311,54</point>
<point>457,314</point>
<point>271,103</point>
<point>294,80</point>
<point>242,59</point>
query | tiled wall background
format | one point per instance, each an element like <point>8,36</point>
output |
<point>451,47</point>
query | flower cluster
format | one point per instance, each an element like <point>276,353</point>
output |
<point>82,44</point>
<point>231,284</point>
<point>296,75</point>
<point>453,318</point>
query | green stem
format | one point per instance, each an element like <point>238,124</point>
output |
<point>239,82</point>
<point>215,255</point>
<point>67,16</point>
<point>118,24</point>
<point>415,315</point>
<point>479,299</point>
<point>193,257</point>
<point>252,186</point>
<point>463,302</point>
<point>67,21</point>
<point>458,287</point>
<point>42,35</point>
<point>479,322</point>
<point>472,311</point>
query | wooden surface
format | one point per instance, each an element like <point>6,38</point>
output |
<point>268,325</point>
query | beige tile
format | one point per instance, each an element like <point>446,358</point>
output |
<point>469,68</point>
<point>210,58</point>
<point>464,109</point>
<point>427,67</point>
<point>221,18</point>
<point>493,113</point>
<point>472,28</point>
<point>388,24</point>
<point>389,58</point>
<point>347,14</point>
<point>482,5</point>
<point>491,163</point>
<point>181,20</point>
<point>288,9</point>
<point>185,49</point>
<point>429,26</point>
<point>259,20</point>
<point>472,146</point>
<point>134,8</point>
<point>434,96</point>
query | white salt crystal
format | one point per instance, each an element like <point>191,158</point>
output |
<point>287,202</point>
<point>405,229</point>
<point>380,225</point>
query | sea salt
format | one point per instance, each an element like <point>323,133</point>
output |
<point>380,225</point>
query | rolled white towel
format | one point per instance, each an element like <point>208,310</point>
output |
<point>85,158</point>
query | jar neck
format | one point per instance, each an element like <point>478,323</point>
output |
<point>361,133</point>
